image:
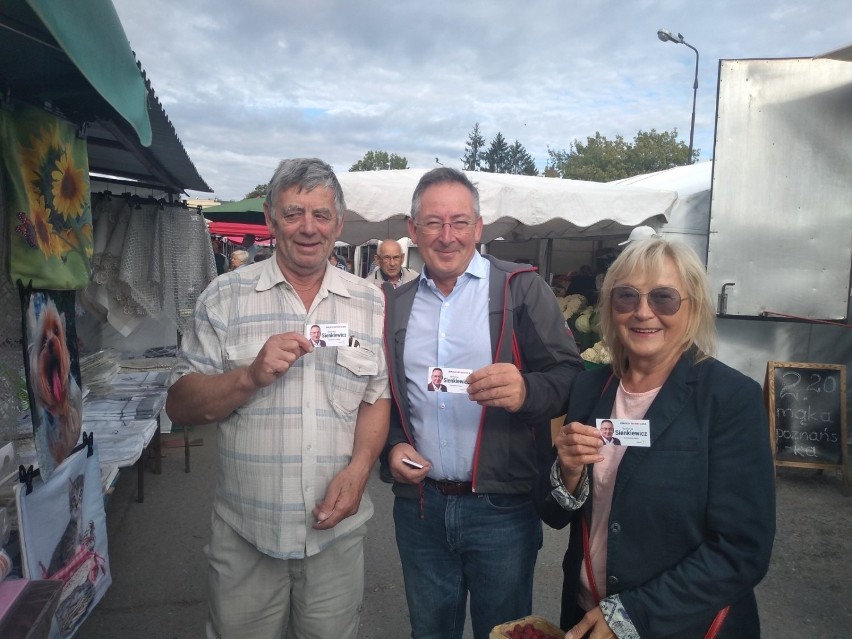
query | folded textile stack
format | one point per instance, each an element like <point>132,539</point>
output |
<point>125,383</point>
<point>99,369</point>
<point>120,444</point>
<point>140,405</point>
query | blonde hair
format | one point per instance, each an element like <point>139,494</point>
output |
<point>647,257</point>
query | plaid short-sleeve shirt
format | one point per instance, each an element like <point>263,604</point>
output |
<point>279,451</point>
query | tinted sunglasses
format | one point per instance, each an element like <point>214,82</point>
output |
<point>663,300</point>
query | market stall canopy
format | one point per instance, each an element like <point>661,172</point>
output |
<point>238,230</point>
<point>74,58</point>
<point>235,219</point>
<point>248,211</point>
<point>843,53</point>
<point>689,219</point>
<point>513,207</point>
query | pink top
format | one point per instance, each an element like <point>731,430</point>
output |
<point>627,406</point>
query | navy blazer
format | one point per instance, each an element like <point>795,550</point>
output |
<point>693,516</point>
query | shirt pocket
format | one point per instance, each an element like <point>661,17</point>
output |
<point>353,369</point>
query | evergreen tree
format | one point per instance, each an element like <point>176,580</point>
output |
<point>473,150</point>
<point>520,162</point>
<point>497,155</point>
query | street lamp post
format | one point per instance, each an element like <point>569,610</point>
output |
<point>666,36</point>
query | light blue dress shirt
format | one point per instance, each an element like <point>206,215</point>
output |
<point>450,332</point>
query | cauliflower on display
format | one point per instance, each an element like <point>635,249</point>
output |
<point>583,323</point>
<point>570,304</point>
<point>597,354</point>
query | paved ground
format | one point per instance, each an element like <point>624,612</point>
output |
<point>158,568</point>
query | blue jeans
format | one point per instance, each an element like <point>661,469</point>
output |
<point>482,544</point>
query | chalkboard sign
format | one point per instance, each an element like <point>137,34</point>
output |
<point>807,414</point>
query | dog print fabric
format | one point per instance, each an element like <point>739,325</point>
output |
<point>53,374</point>
<point>46,192</point>
<point>63,531</point>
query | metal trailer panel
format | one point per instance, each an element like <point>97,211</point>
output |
<point>781,222</point>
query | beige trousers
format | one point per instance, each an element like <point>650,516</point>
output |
<point>255,596</point>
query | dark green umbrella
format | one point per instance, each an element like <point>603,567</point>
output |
<point>248,211</point>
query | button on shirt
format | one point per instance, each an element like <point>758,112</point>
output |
<point>449,331</point>
<point>278,452</point>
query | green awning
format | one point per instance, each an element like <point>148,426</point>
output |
<point>92,37</point>
<point>248,211</point>
<point>73,58</point>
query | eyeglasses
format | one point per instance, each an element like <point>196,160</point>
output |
<point>434,227</point>
<point>390,258</point>
<point>294,214</point>
<point>664,300</point>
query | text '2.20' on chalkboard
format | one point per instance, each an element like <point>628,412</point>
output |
<point>807,413</point>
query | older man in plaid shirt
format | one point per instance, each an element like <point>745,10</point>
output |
<point>299,428</point>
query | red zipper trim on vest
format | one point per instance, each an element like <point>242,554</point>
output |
<point>516,353</point>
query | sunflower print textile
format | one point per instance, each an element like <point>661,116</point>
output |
<point>46,193</point>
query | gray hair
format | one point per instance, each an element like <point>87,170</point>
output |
<point>241,255</point>
<point>443,175</point>
<point>307,174</point>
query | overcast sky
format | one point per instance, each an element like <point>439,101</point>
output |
<point>246,83</point>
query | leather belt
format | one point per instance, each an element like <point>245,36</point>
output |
<point>451,488</point>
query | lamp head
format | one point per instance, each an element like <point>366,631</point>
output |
<point>666,36</point>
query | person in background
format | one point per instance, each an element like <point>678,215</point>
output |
<point>640,233</point>
<point>666,540</point>
<point>374,265</point>
<point>466,522</point>
<point>350,265</point>
<point>299,428</point>
<point>249,246</point>
<point>389,258</point>
<point>336,261</point>
<point>239,258</point>
<point>390,268</point>
<point>218,256</point>
<point>583,283</point>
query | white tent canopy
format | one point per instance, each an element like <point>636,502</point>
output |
<point>514,207</point>
<point>689,218</point>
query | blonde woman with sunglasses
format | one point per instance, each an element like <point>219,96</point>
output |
<point>668,540</point>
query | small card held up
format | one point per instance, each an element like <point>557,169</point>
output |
<point>322,335</point>
<point>625,432</point>
<point>448,380</point>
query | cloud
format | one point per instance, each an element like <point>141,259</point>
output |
<point>248,83</point>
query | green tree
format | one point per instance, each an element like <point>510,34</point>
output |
<point>603,160</point>
<point>520,162</point>
<point>497,155</point>
<point>259,191</point>
<point>474,152</point>
<point>654,151</point>
<point>379,161</point>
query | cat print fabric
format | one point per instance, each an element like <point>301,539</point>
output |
<point>63,536</point>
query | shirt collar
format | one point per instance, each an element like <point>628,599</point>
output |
<point>332,281</point>
<point>477,267</point>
